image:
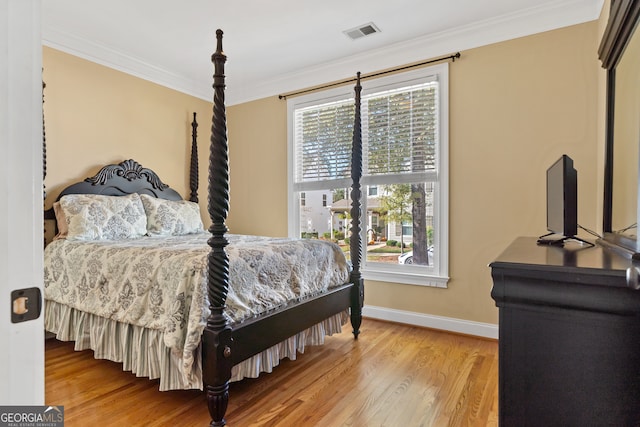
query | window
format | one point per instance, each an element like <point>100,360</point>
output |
<point>324,200</point>
<point>303,199</point>
<point>407,228</point>
<point>405,175</point>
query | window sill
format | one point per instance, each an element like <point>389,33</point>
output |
<point>405,278</point>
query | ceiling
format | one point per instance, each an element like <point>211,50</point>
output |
<point>278,46</point>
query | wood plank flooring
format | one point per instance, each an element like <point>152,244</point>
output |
<point>393,375</point>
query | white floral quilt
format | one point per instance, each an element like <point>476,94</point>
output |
<point>160,282</point>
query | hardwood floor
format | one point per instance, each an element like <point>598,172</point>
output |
<point>393,375</point>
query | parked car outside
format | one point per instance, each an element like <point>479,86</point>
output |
<point>407,257</point>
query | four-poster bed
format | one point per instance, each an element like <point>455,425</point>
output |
<point>228,337</point>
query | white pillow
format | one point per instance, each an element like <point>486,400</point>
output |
<point>98,217</point>
<point>171,217</point>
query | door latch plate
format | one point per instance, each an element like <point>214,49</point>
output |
<point>26,304</point>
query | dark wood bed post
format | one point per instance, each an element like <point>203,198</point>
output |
<point>216,345</point>
<point>193,170</point>
<point>357,292</point>
<point>44,147</point>
<point>44,168</point>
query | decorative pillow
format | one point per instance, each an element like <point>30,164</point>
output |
<point>171,217</point>
<point>98,217</point>
<point>61,222</point>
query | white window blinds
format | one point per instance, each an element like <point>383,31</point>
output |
<point>399,128</point>
<point>323,141</point>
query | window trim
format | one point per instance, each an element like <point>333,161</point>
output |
<point>402,274</point>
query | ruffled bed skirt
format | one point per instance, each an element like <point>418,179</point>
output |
<point>142,351</point>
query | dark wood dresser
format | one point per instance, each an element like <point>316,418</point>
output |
<point>569,350</point>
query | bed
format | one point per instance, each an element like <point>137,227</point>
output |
<point>192,326</point>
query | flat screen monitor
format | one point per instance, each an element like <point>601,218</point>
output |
<point>562,198</point>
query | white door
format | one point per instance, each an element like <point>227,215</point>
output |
<point>22,348</point>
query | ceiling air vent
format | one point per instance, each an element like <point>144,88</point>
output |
<point>362,30</point>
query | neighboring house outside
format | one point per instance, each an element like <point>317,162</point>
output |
<point>404,231</point>
<point>374,223</point>
<point>321,216</point>
<point>315,213</point>
<point>376,226</point>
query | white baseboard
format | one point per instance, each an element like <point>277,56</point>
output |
<point>486,330</point>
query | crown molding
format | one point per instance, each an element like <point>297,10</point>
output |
<point>104,55</point>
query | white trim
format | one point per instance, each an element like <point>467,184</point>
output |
<point>21,215</point>
<point>548,16</point>
<point>322,185</point>
<point>403,274</point>
<point>292,206</point>
<point>400,178</point>
<point>460,326</point>
<point>441,196</point>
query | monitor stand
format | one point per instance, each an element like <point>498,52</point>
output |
<point>560,242</point>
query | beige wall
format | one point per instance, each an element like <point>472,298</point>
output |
<point>258,167</point>
<point>515,107</point>
<point>95,115</point>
